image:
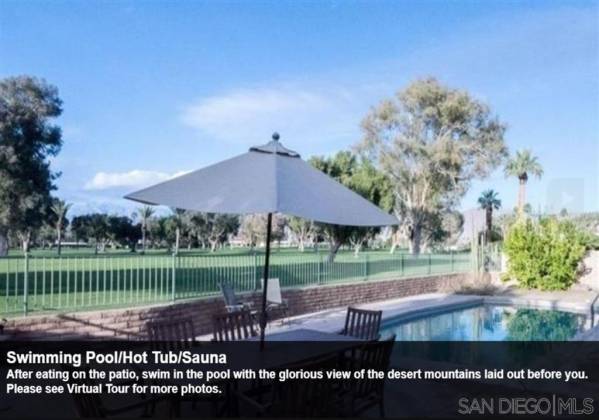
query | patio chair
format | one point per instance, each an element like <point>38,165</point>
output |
<point>177,334</point>
<point>274,298</point>
<point>92,406</point>
<point>301,398</point>
<point>233,326</point>
<point>88,405</point>
<point>362,323</point>
<point>366,393</point>
<point>232,302</point>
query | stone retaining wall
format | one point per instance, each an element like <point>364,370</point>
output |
<point>130,323</point>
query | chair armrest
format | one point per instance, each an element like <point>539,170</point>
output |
<point>247,304</point>
<point>234,308</point>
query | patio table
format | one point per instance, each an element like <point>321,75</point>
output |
<point>305,334</point>
<point>281,349</point>
<point>284,349</point>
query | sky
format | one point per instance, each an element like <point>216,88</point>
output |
<point>152,89</point>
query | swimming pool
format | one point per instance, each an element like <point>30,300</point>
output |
<point>488,323</point>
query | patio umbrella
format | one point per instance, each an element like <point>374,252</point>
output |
<point>267,179</point>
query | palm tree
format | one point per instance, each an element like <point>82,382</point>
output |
<point>145,213</point>
<point>521,166</point>
<point>489,201</point>
<point>179,223</point>
<point>60,209</point>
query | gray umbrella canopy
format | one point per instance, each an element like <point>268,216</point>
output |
<point>267,179</point>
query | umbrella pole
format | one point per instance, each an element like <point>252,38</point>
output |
<point>263,315</point>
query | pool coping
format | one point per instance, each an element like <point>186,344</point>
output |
<point>414,307</point>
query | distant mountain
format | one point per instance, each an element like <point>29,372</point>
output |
<point>86,204</point>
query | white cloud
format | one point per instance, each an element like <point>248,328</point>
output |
<point>134,178</point>
<point>250,116</point>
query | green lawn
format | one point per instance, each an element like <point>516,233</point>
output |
<point>80,280</point>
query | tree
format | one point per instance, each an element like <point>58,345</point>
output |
<point>362,177</point>
<point>521,166</point>
<point>60,210</point>
<point>27,140</point>
<point>219,227</point>
<point>302,229</point>
<point>431,141</point>
<point>489,201</point>
<point>144,213</point>
<point>176,224</point>
<point>213,228</point>
<point>253,228</point>
<point>159,232</point>
<point>92,226</point>
<point>46,235</point>
<point>442,227</point>
<point>121,230</point>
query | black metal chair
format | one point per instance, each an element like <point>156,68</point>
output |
<point>232,302</point>
<point>362,324</point>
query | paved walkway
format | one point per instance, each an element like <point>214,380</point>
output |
<point>577,299</point>
<point>333,320</point>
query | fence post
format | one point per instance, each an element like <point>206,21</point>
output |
<point>255,270</point>
<point>174,275</point>
<point>26,285</point>
<point>430,268</point>
<point>319,274</point>
<point>451,259</point>
<point>401,264</point>
<point>365,266</point>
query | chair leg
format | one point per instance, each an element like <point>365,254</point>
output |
<point>286,315</point>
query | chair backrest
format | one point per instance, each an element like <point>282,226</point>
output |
<point>362,323</point>
<point>374,355</point>
<point>228,293</point>
<point>273,291</point>
<point>87,405</point>
<point>176,334</point>
<point>233,326</point>
<point>306,397</point>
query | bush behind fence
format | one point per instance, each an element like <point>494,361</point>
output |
<point>45,284</point>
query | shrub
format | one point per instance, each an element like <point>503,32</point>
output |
<point>544,255</point>
<point>591,241</point>
<point>480,284</point>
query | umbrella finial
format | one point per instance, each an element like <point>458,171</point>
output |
<point>275,136</point>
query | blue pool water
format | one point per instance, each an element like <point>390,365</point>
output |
<point>489,323</point>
